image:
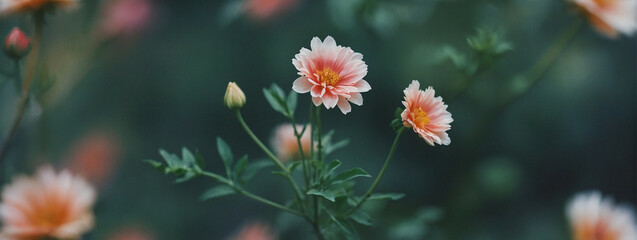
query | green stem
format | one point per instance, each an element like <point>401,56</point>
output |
<point>26,83</point>
<point>382,171</point>
<point>303,159</point>
<point>251,195</point>
<point>318,132</point>
<point>274,158</point>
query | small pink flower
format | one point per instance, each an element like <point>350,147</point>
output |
<point>332,74</point>
<point>49,205</point>
<point>426,114</point>
<point>95,156</point>
<point>267,9</point>
<point>17,45</point>
<point>611,17</point>
<point>125,17</point>
<point>254,231</point>
<point>285,144</point>
<point>595,218</point>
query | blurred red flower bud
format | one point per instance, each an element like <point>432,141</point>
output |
<point>17,45</point>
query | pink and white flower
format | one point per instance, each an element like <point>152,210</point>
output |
<point>593,217</point>
<point>333,74</point>
<point>426,114</point>
<point>611,17</point>
<point>285,144</point>
<point>49,205</point>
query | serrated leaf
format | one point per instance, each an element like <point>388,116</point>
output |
<point>225,153</point>
<point>381,196</point>
<point>321,193</point>
<point>215,192</point>
<point>362,218</point>
<point>350,174</point>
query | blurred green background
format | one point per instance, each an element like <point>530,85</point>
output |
<point>507,174</point>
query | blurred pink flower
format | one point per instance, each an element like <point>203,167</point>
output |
<point>595,218</point>
<point>267,9</point>
<point>332,74</point>
<point>285,144</point>
<point>49,205</point>
<point>132,234</point>
<point>21,6</point>
<point>125,17</point>
<point>95,156</point>
<point>426,114</point>
<point>254,231</point>
<point>611,17</point>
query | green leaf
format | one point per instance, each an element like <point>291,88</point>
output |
<point>381,196</point>
<point>171,159</point>
<point>336,146</point>
<point>199,160</point>
<point>253,168</point>
<point>155,164</point>
<point>347,228</point>
<point>294,165</point>
<point>398,112</point>
<point>215,192</point>
<point>272,100</point>
<point>331,167</point>
<point>240,166</point>
<point>362,218</point>
<point>225,153</point>
<point>321,193</point>
<point>350,174</point>
<point>291,102</point>
<point>187,176</point>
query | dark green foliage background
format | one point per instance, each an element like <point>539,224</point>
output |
<point>573,131</point>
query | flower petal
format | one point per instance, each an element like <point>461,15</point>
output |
<point>356,98</point>
<point>302,85</point>
<point>343,104</point>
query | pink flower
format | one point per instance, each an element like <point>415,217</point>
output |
<point>267,9</point>
<point>285,143</point>
<point>595,218</point>
<point>332,74</point>
<point>611,17</point>
<point>49,205</point>
<point>125,17</point>
<point>95,156</point>
<point>426,114</point>
<point>17,45</point>
<point>254,231</point>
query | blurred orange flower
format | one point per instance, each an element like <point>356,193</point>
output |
<point>611,17</point>
<point>595,218</point>
<point>285,144</point>
<point>254,231</point>
<point>95,156</point>
<point>426,114</point>
<point>267,9</point>
<point>332,74</point>
<point>49,205</point>
<point>23,6</point>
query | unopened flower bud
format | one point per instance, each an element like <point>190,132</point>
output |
<point>234,98</point>
<point>17,45</point>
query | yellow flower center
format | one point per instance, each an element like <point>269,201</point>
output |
<point>328,76</point>
<point>420,118</point>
